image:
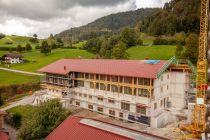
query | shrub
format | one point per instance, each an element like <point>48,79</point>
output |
<point>37,47</point>
<point>16,118</point>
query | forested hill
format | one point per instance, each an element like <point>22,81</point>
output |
<point>176,16</point>
<point>108,24</point>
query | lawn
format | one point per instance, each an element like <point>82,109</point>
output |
<point>39,60</point>
<point>162,52</point>
<point>25,111</point>
<point>8,78</point>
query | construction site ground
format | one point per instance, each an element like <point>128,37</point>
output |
<point>170,131</point>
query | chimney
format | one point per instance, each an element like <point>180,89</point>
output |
<point>64,67</point>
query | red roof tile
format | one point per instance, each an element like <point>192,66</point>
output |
<point>72,129</point>
<point>132,68</point>
<point>3,136</point>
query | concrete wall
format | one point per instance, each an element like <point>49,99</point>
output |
<point>179,90</point>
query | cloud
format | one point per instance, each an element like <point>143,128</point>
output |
<point>43,17</point>
<point>46,9</point>
<point>150,3</point>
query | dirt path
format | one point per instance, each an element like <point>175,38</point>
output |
<point>22,72</point>
<point>28,100</point>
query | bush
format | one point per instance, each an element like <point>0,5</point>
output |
<point>34,40</point>
<point>163,41</point>
<point>37,47</point>
<point>16,118</point>
<point>7,49</point>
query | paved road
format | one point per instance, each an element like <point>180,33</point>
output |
<point>24,101</point>
<point>20,71</point>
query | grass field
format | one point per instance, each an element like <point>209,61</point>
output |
<point>15,40</point>
<point>162,52</point>
<point>8,78</point>
<point>38,60</point>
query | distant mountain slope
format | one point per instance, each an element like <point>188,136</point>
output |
<point>108,24</point>
<point>176,16</point>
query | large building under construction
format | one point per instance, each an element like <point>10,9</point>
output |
<point>139,91</point>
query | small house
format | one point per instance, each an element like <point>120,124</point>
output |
<point>12,58</point>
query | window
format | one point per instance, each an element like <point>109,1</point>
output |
<point>121,115</point>
<point>167,87</point>
<point>168,76</point>
<point>100,109</point>
<point>141,109</point>
<point>85,95</point>
<point>102,86</point>
<point>111,112</point>
<point>77,103</point>
<point>97,85</point>
<point>80,94</point>
<point>161,103</point>
<point>111,101</point>
<point>86,76</point>
<point>100,98</point>
<point>114,88</point>
<point>92,85</point>
<point>90,97</point>
<point>125,106</point>
<point>161,78</point>
<point>127,90</point>
<point>155,106</point>
<point>90,107</point>
<point>161,89</point>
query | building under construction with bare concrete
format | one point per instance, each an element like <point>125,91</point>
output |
<point>140,91</point>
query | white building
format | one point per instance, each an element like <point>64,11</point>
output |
<point>139,91</point>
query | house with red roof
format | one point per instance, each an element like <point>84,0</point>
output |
<point>138,91</point>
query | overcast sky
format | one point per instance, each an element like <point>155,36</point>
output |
<point>26,17</point>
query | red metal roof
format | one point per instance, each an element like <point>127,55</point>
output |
<point>130,68</point>
<point>72,129</point>
<point>4,136</point>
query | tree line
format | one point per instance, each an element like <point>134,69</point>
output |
<point>114,46</point>
<point>176,16</point>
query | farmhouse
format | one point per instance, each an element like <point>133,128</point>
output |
<point>12,58</point>
<point>140,91</point>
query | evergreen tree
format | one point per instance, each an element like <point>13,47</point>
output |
<point>28,47</point>
<point>45,48</point>
<point>19,48</point>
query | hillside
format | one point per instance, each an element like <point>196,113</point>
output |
<point>13,41</point>
<point>108,25</point>
<point>176,16</point>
